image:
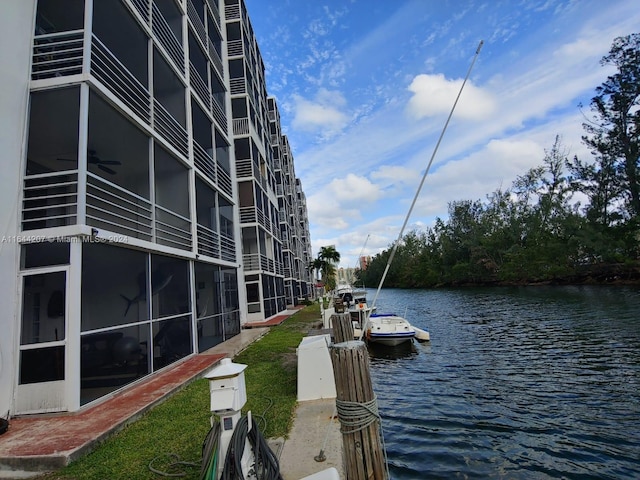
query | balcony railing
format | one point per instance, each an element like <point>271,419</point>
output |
<point>50,200</point>
<point>213,5</point>
<point>57,54</point>
<point>170,128</point>
<point>142,6</point>
<point>172,230</point>
<point>110,71</point>
<point>232,12</point>
<point>199,86</point>
<point>237,86</point>
<point>241,126</point>
<point>224,181</point>
<point>227,248</point>
<point>167,38</point>
<point>218,113</point>
<point>208,241</point>
<point>204,162</point>
<point>114,208</point>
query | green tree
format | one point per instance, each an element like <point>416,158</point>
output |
<point>613,133</point>
<point>325,263</point>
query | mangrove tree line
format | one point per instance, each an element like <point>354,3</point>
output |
<point>567,220</point>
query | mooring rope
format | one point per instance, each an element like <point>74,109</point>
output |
<point>357,416</point>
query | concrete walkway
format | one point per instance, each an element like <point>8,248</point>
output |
<point>314,424</point>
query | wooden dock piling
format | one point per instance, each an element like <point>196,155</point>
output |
<point>342,327</point>
<point>358,412</point>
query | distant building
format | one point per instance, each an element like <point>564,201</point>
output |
<point>146,215</point>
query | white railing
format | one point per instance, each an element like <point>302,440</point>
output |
<point>227,248</point>
<point>170,128</point>
<point>224,181</point>
<point>251,262</point>
<point>142,6</point>
<point>208,241</point>
<point>172,229</point>
<point>204,162</point>
<point>57,54</point>
<point>110,71</point>
<point>248,215</point>
<point>244,168</point>
<point>199,86</point>
<point>241,126</point>
<point>215,58</point>
<point>218,113</point>
<point>213,6</point>
<point>237,86</point>
<point>122,211</point>
<point>234,48</point>
<point>198,26</point>
<point>167,38</point>
<point>232,12</point>
<point>50,200</point>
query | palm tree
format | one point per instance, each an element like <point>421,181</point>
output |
<point>328,257</point>
<point>329,254</point>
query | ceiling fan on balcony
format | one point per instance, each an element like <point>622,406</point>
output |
<point>94,159</point>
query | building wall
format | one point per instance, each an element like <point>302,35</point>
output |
<point>16,26</point>
<point>106,287</point>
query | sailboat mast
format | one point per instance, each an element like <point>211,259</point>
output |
<point>424,177</point>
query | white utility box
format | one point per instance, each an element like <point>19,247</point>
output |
<point>315,372</point>
<point>227,386</point>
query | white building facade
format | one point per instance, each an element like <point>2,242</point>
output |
<point>121,249</point>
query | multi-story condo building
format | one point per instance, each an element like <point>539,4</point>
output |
<point>257,144</point>
<point>294,227</point>
<point>125,193</point>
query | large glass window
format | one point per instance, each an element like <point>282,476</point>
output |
<point>43,323</point>
<point>53,130</point>
<point>111,359</point>
<point>171,340</point>
<point>43,308</point>
<point>208,306</point>
<point>169,286</point>
<point>59,16</point>
<point>114,286</point>
<point>171,182</point>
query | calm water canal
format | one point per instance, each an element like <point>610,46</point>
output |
<point>517,383</point>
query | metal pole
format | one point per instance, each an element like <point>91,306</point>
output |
<point>424,177</point>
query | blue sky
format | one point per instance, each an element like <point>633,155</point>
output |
<point>364,88</point>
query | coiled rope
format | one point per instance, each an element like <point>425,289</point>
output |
<point>356,416</point>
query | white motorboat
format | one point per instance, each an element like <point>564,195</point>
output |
<point>389,329</point>
<point>354,298</point>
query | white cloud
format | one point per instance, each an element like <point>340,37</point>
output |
<point>354,188</point>
<point>434,95</point>
<point>321,113</point>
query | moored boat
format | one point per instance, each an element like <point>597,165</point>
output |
<point>389,329</point>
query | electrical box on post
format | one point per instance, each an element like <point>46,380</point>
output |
<point>227,386</point>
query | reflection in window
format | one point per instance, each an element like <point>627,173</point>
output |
<point>114,286</point>
<point>208,306</point>
<point>169,286</point>
<point>111,359</point>
<point>44,254</point>
<point>171,340</point>
<point>42,365</point>
<point>53,130</point>
<point>43,308</point>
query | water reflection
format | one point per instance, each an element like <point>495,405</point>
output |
<point>516,383</point>
<point>385,352</point>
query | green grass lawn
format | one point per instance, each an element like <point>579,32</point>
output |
<point>179,425</point>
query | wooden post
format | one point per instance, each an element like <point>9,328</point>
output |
<point>357,412</point>
<point>342,327</point>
